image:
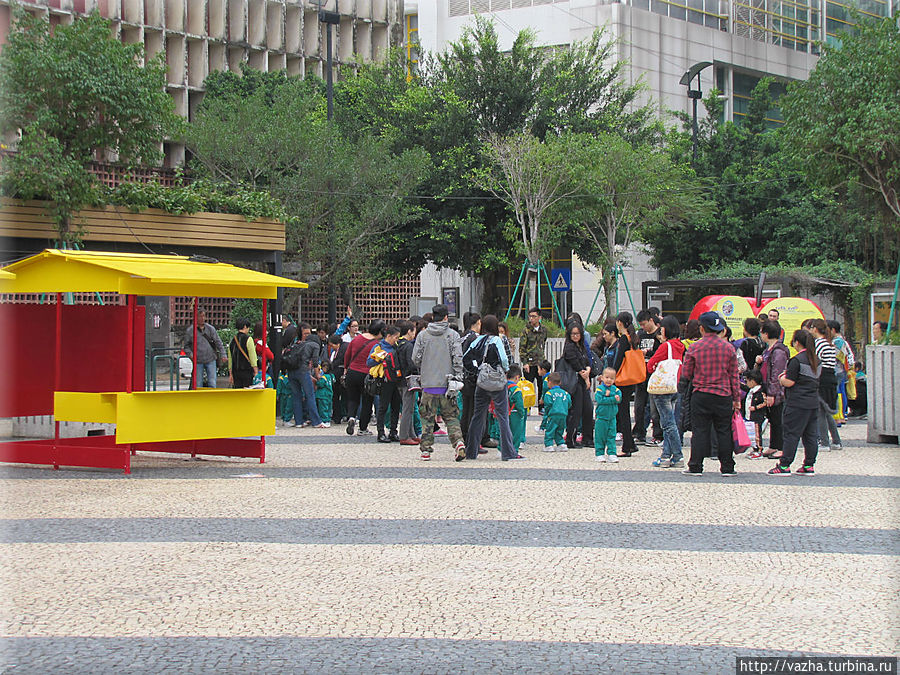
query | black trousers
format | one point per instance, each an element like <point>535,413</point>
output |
<point>711,414</point>
<point>581,411</point>
<point>776,427</point>
<point>390,396</point>
<point>531,374</point>
<point>623,419</point>
<point>242,378</point>
<point>468,407</point>
<point>337,402</point>
<point>800,424</point>
<point>356,395</point>
<point>641,401</point>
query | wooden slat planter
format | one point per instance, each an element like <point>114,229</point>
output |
<point>29,220</point>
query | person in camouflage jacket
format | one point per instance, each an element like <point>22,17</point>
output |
<point>531,349</point>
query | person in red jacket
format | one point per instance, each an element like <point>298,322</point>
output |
<point>355,369</point>
<point>668,404</point>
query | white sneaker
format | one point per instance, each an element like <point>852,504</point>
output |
<point>600,458</point>
<point>837,447</point>
<point>612,459</point>
<point>562,448</point>
<point>824,448</point>
<point>549,448</point>
<point>618,437</point>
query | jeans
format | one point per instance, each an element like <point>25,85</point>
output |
<point>666,404</point>
<point>206,372</point>
<point>304,397</point>
<point>711,412</point>
<point>483,399</point>
<point>800,423</point>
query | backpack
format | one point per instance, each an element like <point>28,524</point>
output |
<point>290,357</point>
<point>474,357</point>
<point>392,371</point>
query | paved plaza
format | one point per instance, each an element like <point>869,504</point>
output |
<point>343,555</point>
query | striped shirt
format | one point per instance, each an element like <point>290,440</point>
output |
<point>826,353</point>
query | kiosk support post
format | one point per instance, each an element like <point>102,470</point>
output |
<point>262,370</point>
<point>57,376</point>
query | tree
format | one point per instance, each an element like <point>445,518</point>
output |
<point>625,193</point>
<point>532,177</point>
<point>73,94</point>
<point>843,123</point>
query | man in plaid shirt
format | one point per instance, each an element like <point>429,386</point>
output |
<point>710,365</point>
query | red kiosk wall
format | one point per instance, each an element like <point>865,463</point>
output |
<point>94,352</point>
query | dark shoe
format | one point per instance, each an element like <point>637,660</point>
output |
<point>779,470</point>
<point>490,443</point>
<point>409,441</point>
<point>578,445</point>
<point>482,451</point>
<point>393,437</point>
<point>351,426</point>
<point>624,454</point>
<point>383,439</point>
<point>805,471</point>
<point>688,472</point>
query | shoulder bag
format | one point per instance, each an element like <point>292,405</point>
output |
<point>490,378</point>
<point>664,379</point>
<point>633,369</point>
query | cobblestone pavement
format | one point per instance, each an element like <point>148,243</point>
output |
<point>343,555</point>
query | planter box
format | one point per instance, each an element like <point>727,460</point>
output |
<point>883,376</point>
<point>29,220</point>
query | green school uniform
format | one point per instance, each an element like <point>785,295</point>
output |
<point>324,396</point>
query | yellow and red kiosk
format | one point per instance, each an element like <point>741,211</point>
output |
<point>85,363</point>
<point>734,309</point>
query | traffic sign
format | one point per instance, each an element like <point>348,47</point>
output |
<point>561,279</point>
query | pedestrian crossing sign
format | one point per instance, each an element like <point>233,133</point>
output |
<point>561,279</point>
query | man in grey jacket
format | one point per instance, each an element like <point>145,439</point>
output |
<point>438,356</point>
<point>210,350</point>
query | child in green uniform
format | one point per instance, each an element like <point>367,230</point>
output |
<point>517,412</point>
<point>607,399</point>
<point>556,410</point>
<point>325,391</point>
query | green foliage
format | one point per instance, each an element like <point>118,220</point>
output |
<point>72,93</point>
<point>194,197</point>
<point>843,123</point>
<point>517,325</point>
<point>247,308</point>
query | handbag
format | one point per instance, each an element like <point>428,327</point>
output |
<point>633,369</point>
<point>664,380</point>
<point>568,376</point>
<point>372,385</point>
<point>490,378</point>
<point>739,433</point>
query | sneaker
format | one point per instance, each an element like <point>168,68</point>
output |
<point>612,459</point>
<point>491,443</point>
<point>806,471</point>
<point>460,451</point>
<point>779,470</point>
<point>677,463</point>
<point>513,459</point>
<point>562,448</point>
<point>307,423</point>
<point>351,426</point>
<point>836,447</point>
<point>426,455</point>
<point>549,448</point>
<point>729,474</point>
<point>824,448</point>
<point>322,425</point>
<point>662,462</point>
<point>364,432</point>
<point>756,454</point>
<point>688,472</point>
<point>440,432</point>
<point>653,443</point>
<point>600,458</point>
<point>618,437</point>
<point>579,438</point>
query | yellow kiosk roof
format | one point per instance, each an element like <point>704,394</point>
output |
<point>58,271</point>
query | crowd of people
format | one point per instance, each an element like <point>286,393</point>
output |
<point>630,386</point>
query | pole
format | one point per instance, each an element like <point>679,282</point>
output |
<point>57,377</point>
<point>591,311</point>
<point>894,300</point>
<point>625,282</point>
<point>194,350</point>
<point>694,143</point>
<point>512,298</point>
<point>329,95</point>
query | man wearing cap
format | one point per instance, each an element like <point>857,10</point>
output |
<point>710,365</point>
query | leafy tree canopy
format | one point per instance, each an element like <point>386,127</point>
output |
<point>75,93</point>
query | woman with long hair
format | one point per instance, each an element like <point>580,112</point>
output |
<point>355,369</point>
<point>667,404</point>
<point>496,355</point>
<point>801,408</point>
<point>826,352</point>
<point>627,340</point>
<point>574,354</point>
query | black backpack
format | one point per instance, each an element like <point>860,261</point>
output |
<point>392,372</point>
<point>290,357</point>
<point>474,357</point>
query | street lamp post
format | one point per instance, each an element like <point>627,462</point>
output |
<point>330,19</point>
<point>695,95</point>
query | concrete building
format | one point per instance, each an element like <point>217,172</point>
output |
<point>201,36</point>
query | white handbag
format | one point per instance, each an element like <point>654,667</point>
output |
<point>664,379</point>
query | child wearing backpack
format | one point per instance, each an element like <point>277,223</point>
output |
<point>517,412</point>
<point>606,401</point>
<point>324,392</point>
<point>557,402</point>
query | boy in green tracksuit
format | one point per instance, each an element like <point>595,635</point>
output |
<point>607,407</point>
<point>556,410</point>
<point>325,392</point>
<point>517,412</point>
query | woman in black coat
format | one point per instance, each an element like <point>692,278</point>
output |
<point>627,340</point>
<point>575,356</point>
